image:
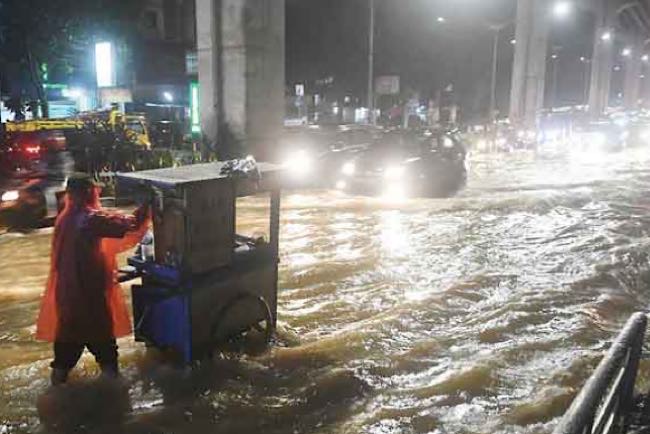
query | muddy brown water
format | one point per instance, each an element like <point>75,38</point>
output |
<point>482,313</point>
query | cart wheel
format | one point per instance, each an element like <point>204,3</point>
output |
<point>265,326</point>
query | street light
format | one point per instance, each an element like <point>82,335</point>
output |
<point>562,9</point>
<point>441,19</point>
<point>606,36</point>
<point>626,52</point>
<point>645,58</point>
<point>168,96</point>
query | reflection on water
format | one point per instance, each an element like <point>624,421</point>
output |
<point>478,314</point>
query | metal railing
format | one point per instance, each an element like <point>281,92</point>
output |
<point>606,400</point>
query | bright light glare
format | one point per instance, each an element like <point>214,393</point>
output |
<point>299,164</point>
<point>73,93</point>
<point>552,134</point>
<point>395,192</point>
<point>607,36</point>
<point>562,9</point>
<point>645,135</point>
<point>104,64</point>
<point>394,173</point>
<point>10,196</point>
<point>621,122</point>
<point>168,96</point>
<point>598,140</point>
<point>626,52</point>
<point>341,185</point>
<point>645,57</point>
<point>349,168</point>
<point>441,19</point>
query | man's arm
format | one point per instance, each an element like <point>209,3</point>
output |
<point>103,224</point>
<point>120,232</point>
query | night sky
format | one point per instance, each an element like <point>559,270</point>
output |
<point>329,38</point>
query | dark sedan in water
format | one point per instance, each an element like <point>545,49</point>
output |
<point>400,164</point>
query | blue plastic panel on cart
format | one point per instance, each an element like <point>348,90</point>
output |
<point>163,320</point>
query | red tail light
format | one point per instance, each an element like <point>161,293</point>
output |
<point>33,149</point>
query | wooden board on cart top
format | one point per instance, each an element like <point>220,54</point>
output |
<point>196,173</point>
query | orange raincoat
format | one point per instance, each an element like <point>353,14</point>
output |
<point>83,301</point>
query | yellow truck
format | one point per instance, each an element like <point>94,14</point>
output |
<point>134,125</point>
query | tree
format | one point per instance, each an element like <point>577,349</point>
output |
<point>39,36</point>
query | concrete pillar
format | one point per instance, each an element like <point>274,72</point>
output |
<point>529,69</point>
<point>603,58</point>
<point>241,73</point>
<point>633,71</point>
<point>207,41</point>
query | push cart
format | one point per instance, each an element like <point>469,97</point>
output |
<point>202,283</point>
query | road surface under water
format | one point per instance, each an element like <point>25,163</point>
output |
<point>478,314</point>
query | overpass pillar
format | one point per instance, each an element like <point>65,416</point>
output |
<point>603,58</point>
<point>208,40</point>
<point>529,69</point>
<point>241,74</point>
<point>633,71</point>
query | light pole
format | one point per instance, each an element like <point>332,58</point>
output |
<point>555,60</point>
<point>587,74</point>
<point>371,65</point>
<point>495,67</point>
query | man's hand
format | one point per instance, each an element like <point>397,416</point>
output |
<point>144,195</point>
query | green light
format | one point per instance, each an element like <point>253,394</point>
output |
<point>55,86</point>
<point>194,107</point>
<point>44,72</point>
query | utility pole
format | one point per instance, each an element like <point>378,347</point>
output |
<point>495,66</point>
<point>371,64</point>
<point>555,62</point>
<point>585,79</point>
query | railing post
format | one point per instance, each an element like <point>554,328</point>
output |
<point>615,376</point>
<point>634,355</point>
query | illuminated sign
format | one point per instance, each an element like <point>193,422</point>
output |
<point>104,64</point>
<point>194,107</point>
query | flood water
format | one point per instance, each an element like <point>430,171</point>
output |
<point>478,314</point>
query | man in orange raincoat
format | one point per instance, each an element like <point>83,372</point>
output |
<point>83,305</point>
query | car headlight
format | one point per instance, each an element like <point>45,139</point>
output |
<point>349,168</point>
<point>394,173</point>
<point>645,135</point>
<point>599,139</point>
<point>299,163</point>
<point>9,196</point>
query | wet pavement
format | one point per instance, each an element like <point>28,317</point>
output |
<point>482,313</point>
